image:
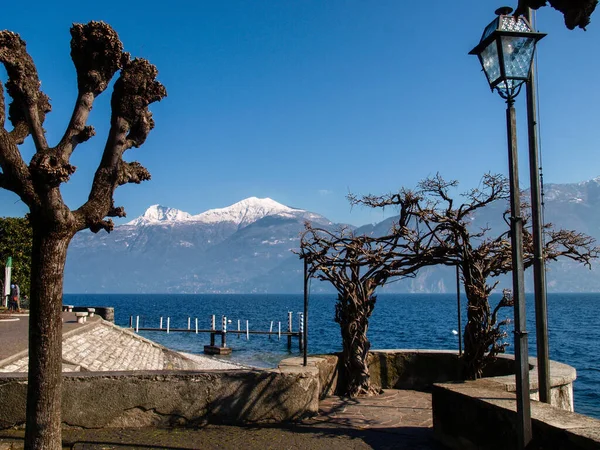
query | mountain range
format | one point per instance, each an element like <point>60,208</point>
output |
<point>247,248</point>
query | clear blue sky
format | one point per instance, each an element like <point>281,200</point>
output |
<point>304,101</point>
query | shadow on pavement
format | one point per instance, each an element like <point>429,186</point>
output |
<point>298,436</point>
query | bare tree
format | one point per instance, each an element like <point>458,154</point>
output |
<point>97,54</point>
<point>576,12</point>
<point>356,266</point>
<point>482,256</point>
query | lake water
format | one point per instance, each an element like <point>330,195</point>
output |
<point>399,321</point>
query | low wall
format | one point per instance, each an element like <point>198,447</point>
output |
<point>167,398</point>
<point>481,415</point>
<point>106,312</point>
<point>291,392</point>
<point>421,369</point>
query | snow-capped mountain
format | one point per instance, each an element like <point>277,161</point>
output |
<point>247,247</point>
<point>168,250</point>
<point>250,210</point>
<point>242,213</point>
<point>157,214</point>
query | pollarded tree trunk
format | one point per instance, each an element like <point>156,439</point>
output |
<point>44,388</point>
<point>352,313</point>
<point>98,55</point>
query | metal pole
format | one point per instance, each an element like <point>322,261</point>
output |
<point>213,326</point>
<point>539,271</point>
<point>289,342</point>
<point>459,311</point>
<point>516,238</point>
<point>305,315</point>
<point>301,332</point>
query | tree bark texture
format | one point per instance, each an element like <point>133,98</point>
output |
<point>476,338</point>
<point>98,55</point>
<point>352,312</point>
<point>44,386</point>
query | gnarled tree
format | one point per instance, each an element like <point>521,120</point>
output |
<point>576,12</point>
<point>97,54</point>
<point>356,265</point>
<point>482,256</point>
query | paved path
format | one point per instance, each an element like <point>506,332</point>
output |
<point>14,331</point>
<point>395,420</point>
<point>394,409</point>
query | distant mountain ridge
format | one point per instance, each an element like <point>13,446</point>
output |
<point>247,247</point>
<point>241,214</point>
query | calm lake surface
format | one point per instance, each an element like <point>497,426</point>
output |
<point>399,321</point>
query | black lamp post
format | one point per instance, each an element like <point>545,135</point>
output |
<point>506,54</point>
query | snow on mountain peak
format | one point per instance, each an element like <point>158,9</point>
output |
<point>156,214</point>
<point>241,214</point>
<point>246,211</point>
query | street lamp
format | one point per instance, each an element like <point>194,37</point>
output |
<point>506,54</point>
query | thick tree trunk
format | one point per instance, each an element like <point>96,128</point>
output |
<point>476,341</point>
<point>44,387</point>
<point>352,313</point>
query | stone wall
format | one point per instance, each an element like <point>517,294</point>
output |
<point>479,415</point>
<point>421,369</point>
<point>166,398</point>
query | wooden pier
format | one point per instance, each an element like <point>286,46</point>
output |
<point>223,348</point>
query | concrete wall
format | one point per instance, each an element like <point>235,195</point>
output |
<point>479,415</point>
<point>420,369</point>
<point>166,398</point>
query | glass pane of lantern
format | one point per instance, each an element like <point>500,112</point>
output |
<point>493,26</point>
<point>511,23</point>
<point>490,62</point>
<point>518,53</point>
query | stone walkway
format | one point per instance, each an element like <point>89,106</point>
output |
<point>394,409</point>
<point>394,420</point>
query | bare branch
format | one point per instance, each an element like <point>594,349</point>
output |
<point>2,106</point>
<point>24,87</point>
<point>15,172</point>
<point>117,211</point>
<point>97,54</point>
<point>571,244</point>
<point>106,225</point>
<point>132,172</point>
<point>131,122</point>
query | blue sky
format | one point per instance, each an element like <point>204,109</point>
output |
<point>304,101</point>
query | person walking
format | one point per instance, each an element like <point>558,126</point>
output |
<point>15,294</point>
